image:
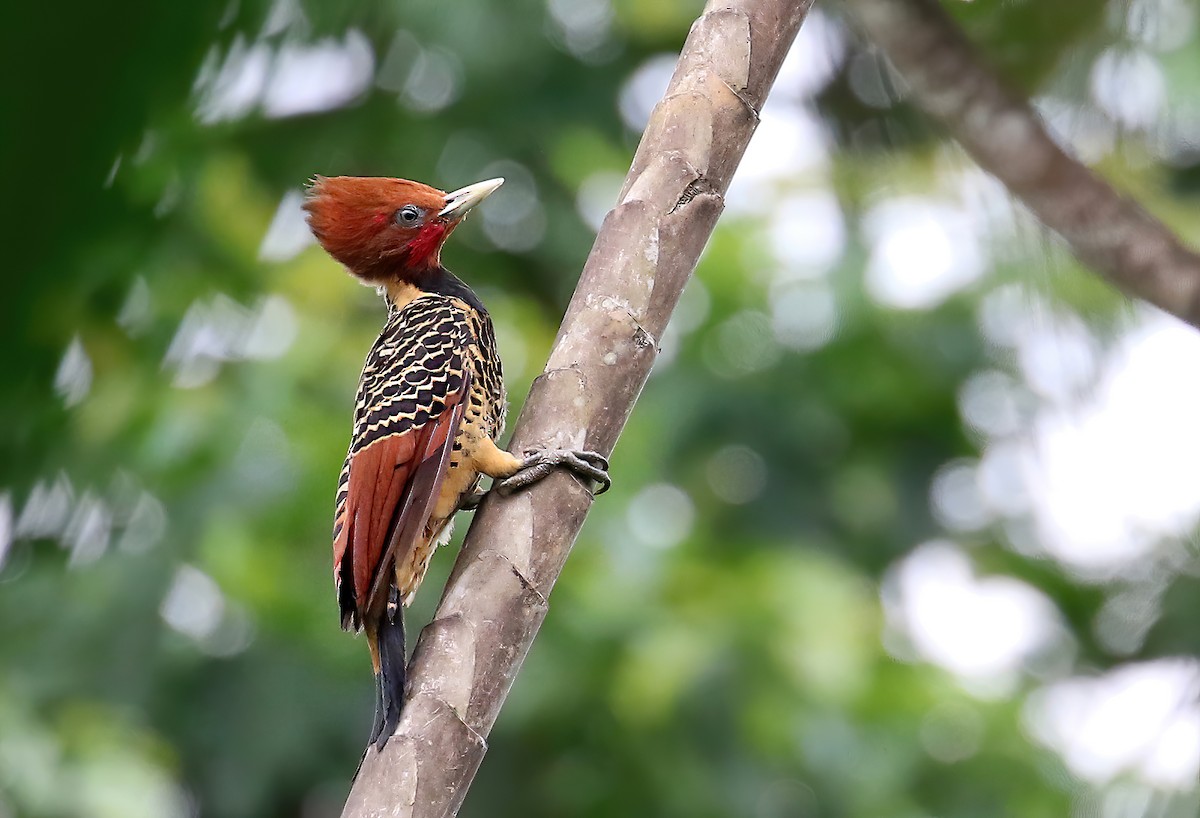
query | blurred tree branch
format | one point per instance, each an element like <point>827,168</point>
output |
<point>1107,231</point>
<point>468,656</point>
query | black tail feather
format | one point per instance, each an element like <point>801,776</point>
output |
<point>389,682</point>
<point>377,721</point>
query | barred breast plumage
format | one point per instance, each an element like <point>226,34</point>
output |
<point>431,391</point>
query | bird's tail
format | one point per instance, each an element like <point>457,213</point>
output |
<point>389,681</point>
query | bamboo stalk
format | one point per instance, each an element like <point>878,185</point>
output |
<point>469,655</point>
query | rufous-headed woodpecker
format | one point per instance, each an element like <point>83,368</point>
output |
<point>430,405</point>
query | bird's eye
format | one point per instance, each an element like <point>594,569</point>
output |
<point>408,215</point>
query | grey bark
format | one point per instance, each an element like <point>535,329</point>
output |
<point>1106,231</point>
<point>467,658</point>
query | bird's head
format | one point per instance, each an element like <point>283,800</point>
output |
<point>387,229</point>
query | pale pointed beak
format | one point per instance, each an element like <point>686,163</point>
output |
<point>460,202</point>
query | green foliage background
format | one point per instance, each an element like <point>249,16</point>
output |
<point>710,652</point>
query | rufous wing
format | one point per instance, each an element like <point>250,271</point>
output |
<point>393,484</point>
<point>420,493</point>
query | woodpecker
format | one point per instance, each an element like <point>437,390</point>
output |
<point>429,408</point>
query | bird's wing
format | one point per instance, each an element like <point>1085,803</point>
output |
<point>410,403</point>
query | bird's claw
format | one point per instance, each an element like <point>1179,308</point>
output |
<point>540,462</point>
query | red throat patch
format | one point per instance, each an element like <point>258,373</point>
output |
<point>425,247</point>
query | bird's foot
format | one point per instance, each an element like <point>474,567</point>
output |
<point>471,501</point>
<point>540,462</point>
